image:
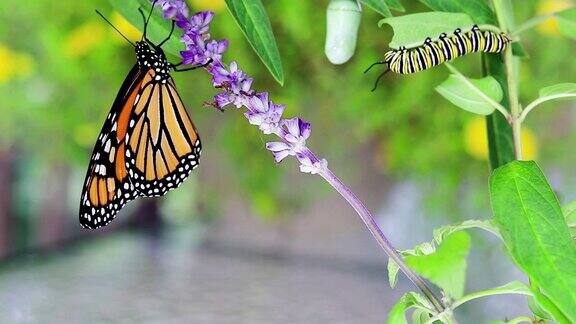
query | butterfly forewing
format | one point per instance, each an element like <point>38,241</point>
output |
<point>107,187</point>
<point>162,145</point>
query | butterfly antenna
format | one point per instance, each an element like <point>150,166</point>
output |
<point>373,65</point>
<point>378,79</point>
<point>147,20</point>
<point>116,29</point>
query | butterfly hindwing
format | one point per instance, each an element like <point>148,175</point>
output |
<point>162,145</point>
<point>107,187</point>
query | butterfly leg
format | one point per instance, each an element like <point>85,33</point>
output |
<point>176,69</point>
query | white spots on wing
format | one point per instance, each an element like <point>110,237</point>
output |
<point>107,146</point>
<point>112,155</point>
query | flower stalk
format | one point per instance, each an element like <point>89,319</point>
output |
<point>260,111</point>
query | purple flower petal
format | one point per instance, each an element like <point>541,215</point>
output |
<point>280,150</point>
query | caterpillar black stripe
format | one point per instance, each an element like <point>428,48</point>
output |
<point>446,48</point>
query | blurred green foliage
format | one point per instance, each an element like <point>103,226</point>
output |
<point>71,65</point>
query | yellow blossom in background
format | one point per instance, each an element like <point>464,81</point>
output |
<point>529,144</point>
<point>214,5</point>
<point>84,38</point>
<point>476,140</point>
<point>13,64</point>
<point>131,32</point>
<point>546,7</point>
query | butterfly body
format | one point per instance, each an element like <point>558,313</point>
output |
<point>147,146</point>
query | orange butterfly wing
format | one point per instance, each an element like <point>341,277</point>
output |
<point>107,187</point>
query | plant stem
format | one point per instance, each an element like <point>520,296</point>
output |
<point>531,23</point>
<point>504,14</point>
<point>377,233</point>
<point>540,100</point>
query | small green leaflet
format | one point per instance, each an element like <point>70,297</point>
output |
<point>412,30</point>
<point>478,9</point>
<point>447,266</point>
<point>406,302</point>
<point>567,22</point>
<point>379,6</point>
<point>558,89</point>
<point>461,94</point>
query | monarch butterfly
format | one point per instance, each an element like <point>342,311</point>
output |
<point>148,144</point>
<point>446,48</point>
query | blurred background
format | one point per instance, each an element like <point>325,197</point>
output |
<point>245,240</point>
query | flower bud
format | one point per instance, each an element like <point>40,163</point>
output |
<point>342,23</point>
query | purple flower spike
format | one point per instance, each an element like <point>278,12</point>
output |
<point>174,9</point>
<point>197,24</point>
<point>237,89</point>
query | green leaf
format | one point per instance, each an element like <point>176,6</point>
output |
<point>158,27</point>
<point>395,5</point>
<point>569,212</point>
<point>254,23</point>
<point>478,9</point>
<point>535,232</point>
<point>412,30</point>
<point>543,307</point>
<point>392,272</point>
<point>420,316</point>
<point>558,89</point>
<point>467,97</point>
<point>514,287</point>
<point>409,300</point>
<point>442,232</point>
<point>420,249</point>
<point>379,6</point>
<point>447,266</point>
<point>567,22</point>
